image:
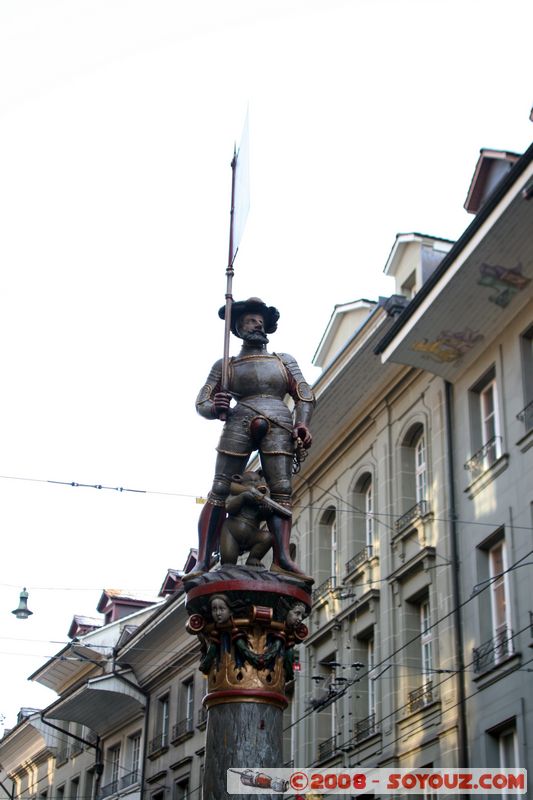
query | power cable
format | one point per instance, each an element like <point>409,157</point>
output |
<point>438,621</point>
<point>200,499</point>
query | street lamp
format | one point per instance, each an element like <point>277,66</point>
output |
<point>22,612</point>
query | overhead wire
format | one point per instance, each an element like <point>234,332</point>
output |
<point>159,651</point>
<point>434,687</point>
<point>419,635</point>
<point>422,728</point>
<point>199,498</point>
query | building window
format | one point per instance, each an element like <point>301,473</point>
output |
<point>508,748</point>
<point>201,781</point>
<point>370,664</point>
<point>185,723</point>
<point>60,793</point>
<point>496,633</point>
<point>188,694</point>
<point>369,518</point>
<point>490,430</point>
<point>420,468</point>
<point>134,758</point>
<point>499,597</point>
<point>420,654</point>
<point>114,768</point>
<point>363,528</point>
<point>88,784</point>
<point>363,711</point>
<point>408,287</point>
<point>413,475</point>
<point>526,347</point>
<point>181,789</point>
<point>503,748</point>
<point>333,543</point>
<point>326,554</point>
<point>161,732</point>
<point>426,642</point>
<point>485,425</point>
<point>325,694</point>
<point>74,788</point>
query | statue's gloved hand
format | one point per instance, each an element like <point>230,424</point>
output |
<point>303,433</point>
<point>221,401</point>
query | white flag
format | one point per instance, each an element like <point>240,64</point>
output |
<point>241,199</point>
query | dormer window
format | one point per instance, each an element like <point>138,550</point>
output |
<point>408,287</point>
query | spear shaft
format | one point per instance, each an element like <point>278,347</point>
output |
<point>229,280</point>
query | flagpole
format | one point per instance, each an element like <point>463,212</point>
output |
<point>229,280</point>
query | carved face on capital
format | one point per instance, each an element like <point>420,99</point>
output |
<point>220,610</point>
<point>295,615</point>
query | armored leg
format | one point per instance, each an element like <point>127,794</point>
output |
<point>277,469</point>
<point>213,513</point>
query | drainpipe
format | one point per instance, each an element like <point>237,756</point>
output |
<point>456,595</point>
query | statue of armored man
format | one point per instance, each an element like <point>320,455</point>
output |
<point>257,418</point>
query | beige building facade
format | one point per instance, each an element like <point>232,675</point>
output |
<point>414,507</point>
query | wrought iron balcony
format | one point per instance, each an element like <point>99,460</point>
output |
<point>108,790</point>
<point>159,742</point>
<point>365,728</point>
<point>526,416</point>
<point>359,558</point>
<point>183,728</point>
<point>327,749</point>
<point>490,653</point>
<point>289,764</point>
<point>75,748</point>
<point>324,589</point>
<point>419,510</point>
<point>129,779</point>
<point>421,697</point>
<point>485,457</point>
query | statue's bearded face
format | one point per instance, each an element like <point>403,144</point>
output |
<point>251,328</point>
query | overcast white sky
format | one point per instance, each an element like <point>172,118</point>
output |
<point>117,125</point>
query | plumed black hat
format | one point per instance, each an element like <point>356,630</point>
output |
<point>254,305</point>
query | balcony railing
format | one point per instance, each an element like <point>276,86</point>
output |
<point>108,790</point>
<point>289,764</point>
<point>417,511</point>
<point>421,697</point>
<point>526,416</point>
<point>327,749</point>
<point>365,728</point>
<point>159,742</point>
<point>359,558</point>
<point>183,728</point>
<point>129,779</point>
<point>485,457</point>
<point>490,653</point>
<point>324,589</point>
